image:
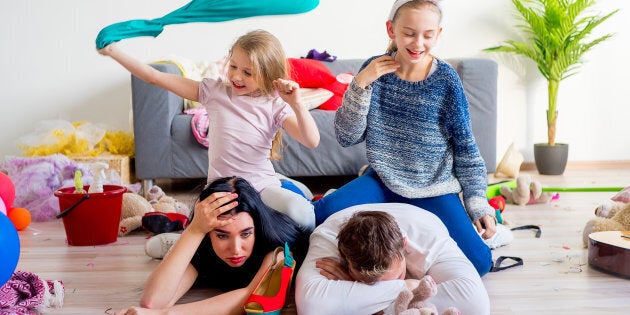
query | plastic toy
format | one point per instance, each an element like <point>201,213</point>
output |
<point>98,174</point>
<point>495,188</point>
<point>78,182</point>
<point>498,204</point>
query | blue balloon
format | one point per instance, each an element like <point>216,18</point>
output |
<point>9,249</point>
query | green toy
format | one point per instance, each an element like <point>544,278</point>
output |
<point>78,182</point>
<point>495,189</point>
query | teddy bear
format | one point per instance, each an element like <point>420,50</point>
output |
<point>526,192</point>
<point>610,216</point>
<point>165,204</point>
<point>165,213</point>
<point>134,207</point>
<point>413,302</point>
<point>168,213</point>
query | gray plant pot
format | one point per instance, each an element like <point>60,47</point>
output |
<point>551,159</point>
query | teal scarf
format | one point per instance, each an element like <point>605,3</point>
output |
<point>202,11</point>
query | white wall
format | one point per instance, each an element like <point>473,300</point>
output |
<point>50,68</point>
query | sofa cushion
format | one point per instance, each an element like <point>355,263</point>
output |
<point>315,97</point>
<point>312,73</point>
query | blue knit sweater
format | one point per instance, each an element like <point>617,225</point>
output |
<point>418,136</point>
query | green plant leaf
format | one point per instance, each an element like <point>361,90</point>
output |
<point>557,33</point>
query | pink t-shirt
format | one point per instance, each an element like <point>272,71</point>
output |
<point>240,132</point>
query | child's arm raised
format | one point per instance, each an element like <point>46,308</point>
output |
<point>184,87</point>
<point>301,127</point>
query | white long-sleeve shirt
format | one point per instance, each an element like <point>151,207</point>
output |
<point>430,250</point>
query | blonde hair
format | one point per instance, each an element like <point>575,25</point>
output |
<point>269,63</point>
<point>413,4</point>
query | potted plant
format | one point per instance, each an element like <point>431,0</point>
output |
<point>556,39</point>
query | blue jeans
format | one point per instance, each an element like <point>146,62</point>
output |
<point>289,185</point>
<point>369,188</point>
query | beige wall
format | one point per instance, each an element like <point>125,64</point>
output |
<point>50,69</point>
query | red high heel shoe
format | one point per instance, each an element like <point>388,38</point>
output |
<point>271,292</point>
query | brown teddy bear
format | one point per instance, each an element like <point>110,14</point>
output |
<point>134,207</point>
<point>168,213</point>
<point>165,204</point>
<point>610,216</point>
<point>527,191</point>
<point>413,302</point>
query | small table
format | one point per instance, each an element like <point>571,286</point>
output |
<point>609,251</point>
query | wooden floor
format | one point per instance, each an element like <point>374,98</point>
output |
<point>555,277</point>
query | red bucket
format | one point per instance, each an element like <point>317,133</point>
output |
<point>91,219</point>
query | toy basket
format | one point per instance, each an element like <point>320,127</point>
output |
<point>91,218</point>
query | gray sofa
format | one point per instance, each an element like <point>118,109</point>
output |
<point>166,148</point>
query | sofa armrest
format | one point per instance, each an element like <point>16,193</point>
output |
<point>153,111</point>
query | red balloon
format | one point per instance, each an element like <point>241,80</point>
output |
<point>7,190</point>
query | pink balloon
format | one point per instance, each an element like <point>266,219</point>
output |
<point>3,208</point>
<point>7,190</point>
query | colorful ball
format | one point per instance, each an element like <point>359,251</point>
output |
<point>10,249</point>
<point>3,208</point>
<point>20,217</point>
<point>7,190</point>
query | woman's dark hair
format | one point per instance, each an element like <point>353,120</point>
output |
<point>272,228</point>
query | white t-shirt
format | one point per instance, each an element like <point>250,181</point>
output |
<point>240,132</point>
<point>430,250</point>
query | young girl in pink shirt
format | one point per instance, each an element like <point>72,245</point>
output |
<point>247,110</point>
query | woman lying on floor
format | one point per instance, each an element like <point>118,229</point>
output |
<point>228,245</point>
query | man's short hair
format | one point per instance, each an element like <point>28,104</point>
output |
<point>369,242</point>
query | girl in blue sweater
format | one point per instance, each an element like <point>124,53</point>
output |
<point>410,109</point>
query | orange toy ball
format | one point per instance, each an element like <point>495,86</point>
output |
<point>20,217</point>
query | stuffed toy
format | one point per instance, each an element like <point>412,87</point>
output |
<point>134,207</point>
<point>413,302</point>
<point>168,214</point>
<point>158,213</point>
<point>526,192</point>
<point>165,204</point>
<point>610,216</point>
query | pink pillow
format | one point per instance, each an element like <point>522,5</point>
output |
<point>311,73</point>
